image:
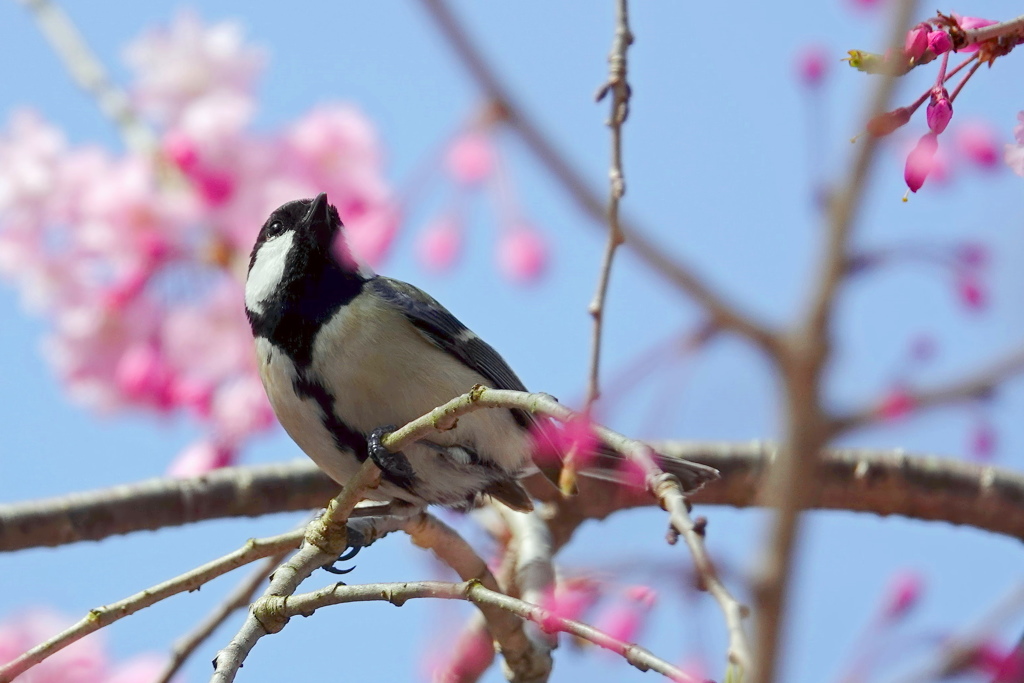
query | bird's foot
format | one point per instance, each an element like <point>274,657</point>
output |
<point>395,466</point>
<point>356,542</point>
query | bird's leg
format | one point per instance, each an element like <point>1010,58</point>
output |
<point>394,466</point>
<point>356,542</point>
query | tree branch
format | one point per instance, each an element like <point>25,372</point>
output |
<point>620,91</point>
<point>974,385</point>
<point>722,312</point>
<point>524,660</point>
<point>473,591</point>
<point>794,478</point>
<point>882,482</point>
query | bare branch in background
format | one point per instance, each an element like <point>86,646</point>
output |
<point>674,270</point>
<point>974,385</point>
<point>88,73</point>
<point>795,478</point>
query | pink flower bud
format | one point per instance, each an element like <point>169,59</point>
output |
<point>939,42</point>
<point>896,404</point>
<point>522,254</point>
<point>920,161</point>
<point>439,245</point>
<point>470,159</point>
<point>939,112</point>
<point>977,142</point>
<point>916,42</point>
<point>904,591</point>
<point>811,63</point>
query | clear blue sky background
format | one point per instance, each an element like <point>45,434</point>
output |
<point>716,161</point>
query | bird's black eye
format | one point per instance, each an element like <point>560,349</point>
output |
<point>275,228</point>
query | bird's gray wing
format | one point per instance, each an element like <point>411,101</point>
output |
<point>446,331</point>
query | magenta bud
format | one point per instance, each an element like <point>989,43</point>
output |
<point>939,112</point>
<point>916,42</point>
<point>939,42</point>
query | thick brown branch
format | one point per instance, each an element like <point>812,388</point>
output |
<point>674,270</point>
<point>882,482</point>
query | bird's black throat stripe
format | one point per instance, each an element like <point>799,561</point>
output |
<point>311,291</point>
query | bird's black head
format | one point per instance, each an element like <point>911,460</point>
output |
<point>299,260</point>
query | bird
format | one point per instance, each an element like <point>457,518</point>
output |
<point>345,355</point>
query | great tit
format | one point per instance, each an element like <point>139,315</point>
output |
<point>345,355</point>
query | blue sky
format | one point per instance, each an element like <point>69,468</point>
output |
<point>716,163</point>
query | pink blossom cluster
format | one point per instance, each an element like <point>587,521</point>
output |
<point>84,661</point>
<point>929,41</point>
<point>138,258</point>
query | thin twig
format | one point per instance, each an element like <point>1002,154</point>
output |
<point>674,270</point>
<point>88,73</point>
<point>238,599</point>
<point>1014,27</point>
<point>99,617</point>
<point>618,86</point>
<point>732,609</point>
<point>473,591</point>
<point>794,478</point>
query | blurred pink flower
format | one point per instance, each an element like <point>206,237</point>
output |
<point>1000,664</point>
<point>904,591</point>
<point>920,161</point>
<point>471,157</point>
<point>84,661</point>
<point>552,441</point>
<point>570,599</point>
<point>812,65</point>
<point>177,65</point>
<point>970,291</point>
<point>896,404</point>
<point>472,653</point>
<point>522,254</point>
<point>625,619</point>
<point>976,142</point>
<point>200,458</point>
<point>440,243</point>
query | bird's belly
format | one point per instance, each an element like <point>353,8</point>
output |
<point>301,416</point>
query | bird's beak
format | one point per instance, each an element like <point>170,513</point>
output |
<point>319,219</point>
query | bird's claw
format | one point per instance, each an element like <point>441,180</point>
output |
<point>395,465</point>
<point>356,542</point>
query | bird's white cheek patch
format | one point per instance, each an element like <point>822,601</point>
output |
<point>267,270</point>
